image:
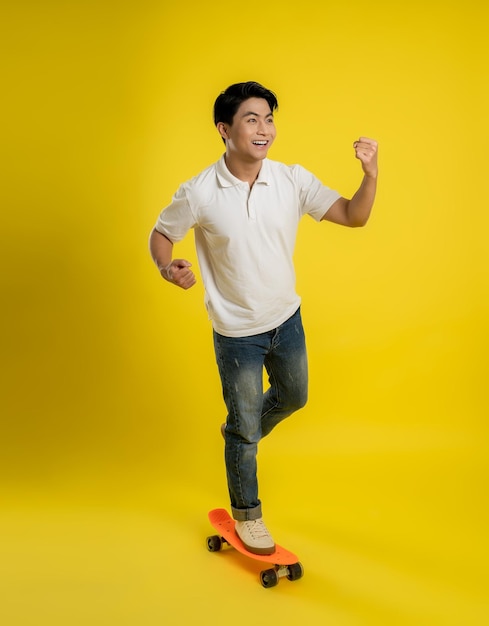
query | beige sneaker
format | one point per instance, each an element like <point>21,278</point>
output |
<point>255,536</point>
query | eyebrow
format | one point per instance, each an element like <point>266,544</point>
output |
<point>256,114</point>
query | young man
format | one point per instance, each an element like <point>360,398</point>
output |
<point>245,211</point>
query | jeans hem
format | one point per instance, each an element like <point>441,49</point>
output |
<point>244,515</point>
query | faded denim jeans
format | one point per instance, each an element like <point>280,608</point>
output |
<point>252,414</point>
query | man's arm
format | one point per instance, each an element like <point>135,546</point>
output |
<point>355,212</point>
<point>176,271</point>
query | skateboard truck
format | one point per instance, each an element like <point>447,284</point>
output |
<point>270,577</point>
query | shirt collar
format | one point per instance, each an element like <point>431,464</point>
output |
<point>226,179</point>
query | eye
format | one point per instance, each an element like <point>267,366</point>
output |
<point>251,120</point>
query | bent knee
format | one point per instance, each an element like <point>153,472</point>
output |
<point>298,400</point>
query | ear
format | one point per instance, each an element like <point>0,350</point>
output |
<point>223,130</point>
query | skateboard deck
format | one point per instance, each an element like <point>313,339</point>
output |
<point>285,563</point>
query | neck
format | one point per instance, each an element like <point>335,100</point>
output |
<point>247,172</point>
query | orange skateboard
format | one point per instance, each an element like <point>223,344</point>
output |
<point>284,563</point>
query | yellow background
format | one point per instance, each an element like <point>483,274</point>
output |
<point>110,447</point>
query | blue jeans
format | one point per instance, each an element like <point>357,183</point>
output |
<point>252,414</point>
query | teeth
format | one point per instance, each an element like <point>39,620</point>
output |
<point>260,143</point>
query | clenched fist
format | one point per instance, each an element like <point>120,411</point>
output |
<point>179,273</point>
<point>366,152</point>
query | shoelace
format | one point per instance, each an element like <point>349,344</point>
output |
<point>257,529</point>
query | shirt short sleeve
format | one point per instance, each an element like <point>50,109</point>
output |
<point>177,218</point>
<point>314,197</point>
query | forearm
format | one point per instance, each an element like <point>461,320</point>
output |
<point>360,206</point>
<point>175,271</point>
<point>161,250</point>
<point>355,212</point>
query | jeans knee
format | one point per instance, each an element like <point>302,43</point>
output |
<point>297,400</point>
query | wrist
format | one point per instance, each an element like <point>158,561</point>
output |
<point>165,271</point>
<point>371,175</point>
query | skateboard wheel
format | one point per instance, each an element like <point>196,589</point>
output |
<point>296,571</point>
<point>214,543</point>
<point>269,578</point>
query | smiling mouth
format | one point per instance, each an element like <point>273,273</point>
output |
<point>260,143</point>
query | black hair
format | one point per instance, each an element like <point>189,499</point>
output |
<point>228,102</point>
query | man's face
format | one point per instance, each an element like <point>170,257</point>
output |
<point>252,132</point>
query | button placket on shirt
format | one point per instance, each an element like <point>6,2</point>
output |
<point>251,205</point>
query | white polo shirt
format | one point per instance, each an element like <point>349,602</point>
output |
<point>245,240</point>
